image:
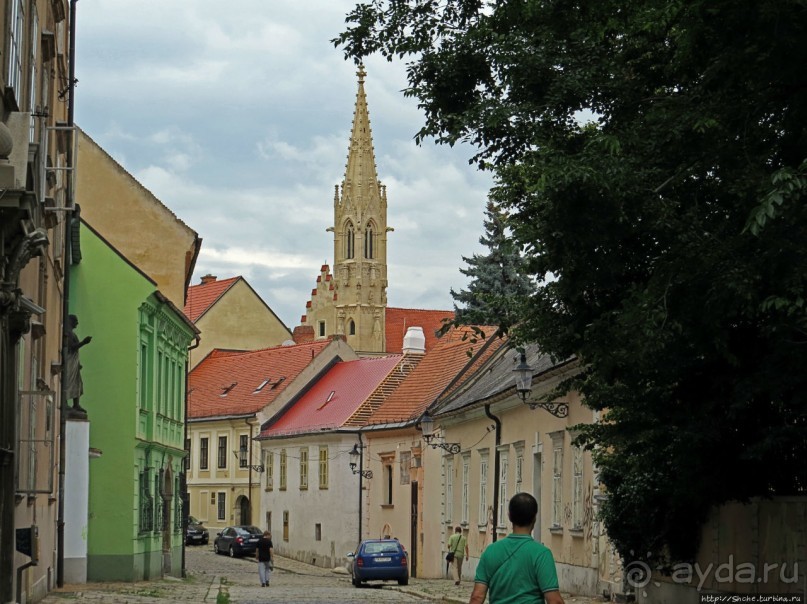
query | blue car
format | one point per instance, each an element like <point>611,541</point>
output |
<point>239,540</point>
<point>379,560</point>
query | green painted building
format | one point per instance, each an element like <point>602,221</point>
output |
<point>133,373</point>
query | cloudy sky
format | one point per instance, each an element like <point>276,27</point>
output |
<point>237,116</point>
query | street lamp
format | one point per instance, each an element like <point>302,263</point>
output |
<point>427,426</point>
<point>356,458</point>
<point>523,373</point>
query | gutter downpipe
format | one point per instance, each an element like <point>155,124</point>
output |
<point>249,469</point>
<point>68,243</point>
<point>361,486</point>
<point>498,423</point>
<point>184,483</point>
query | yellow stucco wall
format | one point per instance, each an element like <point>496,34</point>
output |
<point>118,206</point>
<point>238,320</point>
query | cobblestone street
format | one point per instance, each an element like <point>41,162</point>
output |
<point>213,578</point>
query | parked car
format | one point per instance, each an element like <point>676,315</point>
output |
<point>196,533</point>
<point>379,560</point>
<point>239,540</point>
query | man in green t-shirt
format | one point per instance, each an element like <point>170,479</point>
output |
<point>517,569</point>
<point>458,545</point>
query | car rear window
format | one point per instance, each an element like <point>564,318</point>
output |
<point>380,548</point>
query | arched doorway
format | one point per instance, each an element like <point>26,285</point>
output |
<point>243,510</point>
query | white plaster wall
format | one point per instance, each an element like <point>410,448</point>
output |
<point>334,508</point>
<point>76,495</point>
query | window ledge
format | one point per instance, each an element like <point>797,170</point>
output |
<point>556,530</point>
<point>577,532</point>
<point>387,506</point>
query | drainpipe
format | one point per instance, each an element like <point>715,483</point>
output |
<point>68,242</point>
<point>498,423</point>
<point>186,500</point>
<point>249,469</point>
<point>361,486</point>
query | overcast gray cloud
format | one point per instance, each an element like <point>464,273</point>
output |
<point>237,116</point>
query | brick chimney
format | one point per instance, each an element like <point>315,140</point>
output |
<point>208,279</point>
<point>303,334</point>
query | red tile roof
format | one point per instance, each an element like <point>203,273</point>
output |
<point>398,320</point>
<point>201,297</point>
<point>333,399</point>
<point>225,382</point>
<point>441,369</point>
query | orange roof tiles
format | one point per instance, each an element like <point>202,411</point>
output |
<point>398,320</point>
<point>333,399</point>
<point>445,366</point>
<point>201,297</point>
<point>226,382</point>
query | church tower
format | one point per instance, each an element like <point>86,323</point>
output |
<point>352,300</point>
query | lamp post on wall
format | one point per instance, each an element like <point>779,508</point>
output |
<point>357,459</point>
<point>427,426</point>
<point>523,373</point>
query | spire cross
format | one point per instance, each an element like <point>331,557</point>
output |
<point>361,73</point>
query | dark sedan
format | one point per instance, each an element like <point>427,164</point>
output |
<point>379,560</point>
<point>237,540</point>
<point>196,533</point>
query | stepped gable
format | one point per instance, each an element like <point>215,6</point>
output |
<point>204,295</point>
<point>334,398</point>
<point>445,367</point>
<point>230,382</point>
<point>398,320</point>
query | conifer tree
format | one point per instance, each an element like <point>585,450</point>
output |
<point>499,283</point>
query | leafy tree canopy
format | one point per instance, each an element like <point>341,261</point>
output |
<point>653,156</point>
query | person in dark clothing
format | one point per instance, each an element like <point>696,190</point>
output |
<point>265,554</point>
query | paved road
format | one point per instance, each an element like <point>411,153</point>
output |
<point>222,580</point>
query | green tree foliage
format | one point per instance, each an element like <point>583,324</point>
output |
<point>499,284</point>
<point>672,223</point>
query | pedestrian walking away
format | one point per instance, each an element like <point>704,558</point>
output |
<point>517,569</point>
<point>265,554</point>
<point>458,547</point>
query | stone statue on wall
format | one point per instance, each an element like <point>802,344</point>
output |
<point>72,367</point>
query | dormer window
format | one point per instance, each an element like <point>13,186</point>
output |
<point>225,390</point>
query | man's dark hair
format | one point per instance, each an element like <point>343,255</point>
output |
<point>523,509</point>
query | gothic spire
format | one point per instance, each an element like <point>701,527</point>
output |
<point>361,178</point>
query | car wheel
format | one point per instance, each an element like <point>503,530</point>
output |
<point>216,547</point>
<point>232,552</point>
<point>356,582</point>
<point>404,581</point>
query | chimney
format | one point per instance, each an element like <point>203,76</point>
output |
<point>303,334</point>
<point>208,279</point>
<point>414,341</point>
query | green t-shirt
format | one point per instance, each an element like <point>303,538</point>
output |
<point>456,544</point>
<point>525,576</point>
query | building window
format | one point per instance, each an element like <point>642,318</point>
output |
<point>318,532</point>
<point>323,467</point>
<point>351,328</point>
<point>243,451</point>
<point>483,488</point>
<point>368,242</point>
<point>187,463</point>
<point>557,478</point>
<point>350,239</point>
<point>285,525</point>
<point>406,463</point>
<point>322,329</point>
<point>222,506</point>
<point>303,469</point>
<point>16,28</point>
<point>269,466</point>
<point>503,469</point>
<point>203,453</point>
<point>577,487</point>
<point>448,493</point>
<point>466,476</point>
<point>387,472</point>
<point>519,470</point>
<point>222,452</point>
<point>146,511</point>
<point>283,469</point>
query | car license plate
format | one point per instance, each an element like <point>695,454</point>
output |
<point>253,540</point>
<point>196,536</point>
<point>383,559</point>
